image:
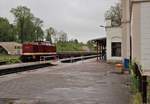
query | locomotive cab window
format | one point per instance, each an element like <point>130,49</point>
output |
<point>116,49</point>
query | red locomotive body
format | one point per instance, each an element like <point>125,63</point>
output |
<point>35,50</point>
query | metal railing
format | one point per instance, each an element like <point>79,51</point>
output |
<point>73,59</point>
<point>142,82</point>
<point>46,58</point>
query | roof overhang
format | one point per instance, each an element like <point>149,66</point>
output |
<point>102,39</point>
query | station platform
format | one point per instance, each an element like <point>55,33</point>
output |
<point>19,67</point>
<point>53,62</point>
<point>82,82</point>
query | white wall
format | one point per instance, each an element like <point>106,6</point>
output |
<point>125,28</point>
<point>145,35</point>
<point>114,34</point>
<point>135,33</point>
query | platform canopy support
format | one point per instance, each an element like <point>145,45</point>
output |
<point>100,48</point>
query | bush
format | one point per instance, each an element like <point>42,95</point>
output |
<point>134,84</point>
<point>10,59</point>
<point>137,98</point>
<point>68,46</point>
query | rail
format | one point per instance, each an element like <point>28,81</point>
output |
<point>74,54</point>
<point>72,59</point>
<point>3,62</point>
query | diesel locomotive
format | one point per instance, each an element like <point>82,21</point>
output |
<point>35,51</point>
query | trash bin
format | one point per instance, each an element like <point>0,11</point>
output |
<point>119,68</point>
<point>126,63</point>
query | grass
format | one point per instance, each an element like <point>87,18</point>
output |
<point>136,95</point>
<point>137,98</point>
<point>9,59</point>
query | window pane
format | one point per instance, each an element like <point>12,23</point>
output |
<point>116,49</point>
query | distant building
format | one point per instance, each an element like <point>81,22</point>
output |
<point>11,48</point>
<point>60,36</point>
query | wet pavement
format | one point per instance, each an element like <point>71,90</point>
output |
<point>86,82</point>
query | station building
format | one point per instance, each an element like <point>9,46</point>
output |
<point>113,42</point>
<point>136,31</point>
<point>132,39</point>
<point>109,47</point>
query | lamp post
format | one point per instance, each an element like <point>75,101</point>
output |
<point>101,46</point>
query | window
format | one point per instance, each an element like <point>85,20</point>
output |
<point>116,49</point>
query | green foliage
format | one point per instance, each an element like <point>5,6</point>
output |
<point>38,31</point>
<point>28,26</point>
<point>115,14</point>
<point>71,45</point>
<point>63,36</point>
<point>50,32</point>
<point>134,84</point>
<point>7,31</point>
<point>74,45</point>
<point>137,99</point>
<point>134,79</point>
<point>91,46</point>
<point>10,59</point>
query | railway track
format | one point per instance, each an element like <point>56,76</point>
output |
<point>68,54</point>
<point>20,67</point>
<point>3,62</point>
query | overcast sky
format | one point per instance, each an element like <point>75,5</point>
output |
<point>79,18</point>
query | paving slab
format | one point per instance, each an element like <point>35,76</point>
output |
<point>85,82</point>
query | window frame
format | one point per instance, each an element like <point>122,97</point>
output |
<point>115,46</point>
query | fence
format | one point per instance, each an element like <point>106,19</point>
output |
<point>141,77</point>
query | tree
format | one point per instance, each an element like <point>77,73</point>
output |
<point>29,27</point>
<point>39,33</point>
<point>62,36</point>
<point>71,45</point>
<point>7,31</point>
<point>115,14</point>
<point>76,41</point>
<point>91,45</point>
<point>23,16</point>
<point>50,32</point>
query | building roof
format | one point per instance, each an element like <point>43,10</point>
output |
<point>10,47</point>
<point>99,39</point>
